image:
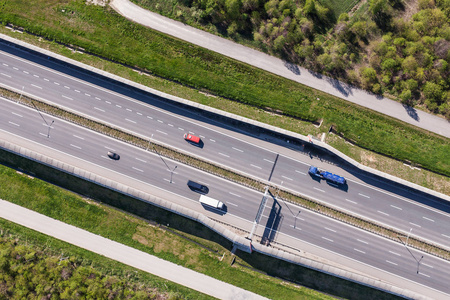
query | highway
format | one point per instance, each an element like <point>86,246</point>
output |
<point>380,200</point>
<point>82,147</point>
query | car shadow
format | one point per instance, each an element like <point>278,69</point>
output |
<point>199,191</point>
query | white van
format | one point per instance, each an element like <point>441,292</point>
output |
<point>205,200</point>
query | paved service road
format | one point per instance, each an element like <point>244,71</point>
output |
<point>145,171</point>
<point>148,116</point>
<point>124,254</point>
<point>281,68</point>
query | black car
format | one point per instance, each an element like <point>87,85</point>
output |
<point>113,155</point>
<point>197,187</point>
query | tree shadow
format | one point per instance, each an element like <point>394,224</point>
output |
<point>411,111</point>
<point>343,88</point>
<point>292,67</point>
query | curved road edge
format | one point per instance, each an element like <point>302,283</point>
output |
<point>72,235</point>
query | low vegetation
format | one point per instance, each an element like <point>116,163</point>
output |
<point>30,269</point>
<point>392,47</point>
<point>75,23</point>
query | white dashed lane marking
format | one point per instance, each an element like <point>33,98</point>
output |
<point>6,75</point>
<point>99,109</point>
<point>131,121</point>
<point>396,207</point>
<point>66,97</point>
<point>237,149</point>
<point>258,167</point>
<point>351,201</point>
<point>36,86</point>
<point>12,123</point>
<point>362,195</point>
<point>359,251</point>
<point>16,114</point>
<point>78,137</point>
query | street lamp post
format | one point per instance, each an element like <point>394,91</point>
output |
<point>171,173</point>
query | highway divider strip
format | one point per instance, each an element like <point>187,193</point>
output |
<point>227,173</point>
<point>238,241</point>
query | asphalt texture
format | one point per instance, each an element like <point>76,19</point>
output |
<point>159,121</point>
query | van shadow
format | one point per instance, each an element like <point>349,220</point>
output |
<point>221,212</point>
<point>198,145</point>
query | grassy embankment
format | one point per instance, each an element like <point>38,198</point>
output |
<point>73,22</point>
<point>185,242</point>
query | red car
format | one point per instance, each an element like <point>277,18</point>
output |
<point>192,138</point>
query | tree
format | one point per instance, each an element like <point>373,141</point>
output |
<point>233,8</point>
<point>433,92</point>
<point>409,65</point>
<point>405,96</point>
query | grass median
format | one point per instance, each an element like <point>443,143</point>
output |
<point>75,23</point>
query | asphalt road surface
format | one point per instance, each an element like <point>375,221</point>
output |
<point>412,212</point>
<point>281,68</point>
<point>149,173</point>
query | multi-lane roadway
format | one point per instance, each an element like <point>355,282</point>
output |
<point>383,201</point>
<point>84,148</point>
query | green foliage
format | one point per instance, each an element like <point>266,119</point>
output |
<point>30,273</point>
